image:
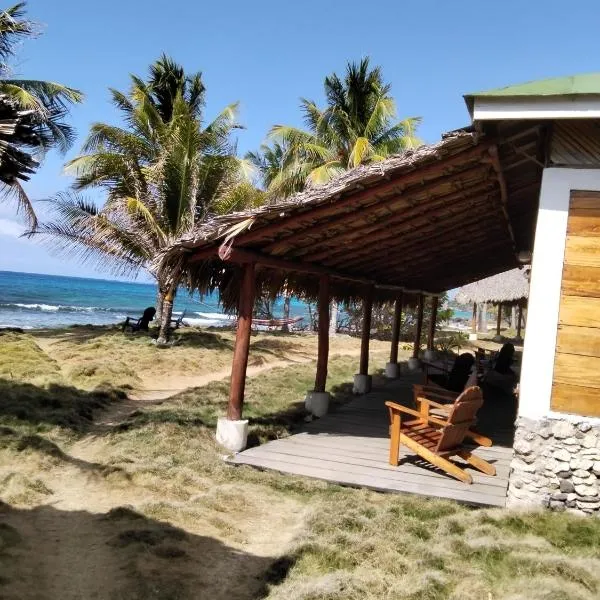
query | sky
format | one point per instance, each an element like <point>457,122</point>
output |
<point>268,54</point>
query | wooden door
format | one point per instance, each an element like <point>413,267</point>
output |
<point>576,383</point>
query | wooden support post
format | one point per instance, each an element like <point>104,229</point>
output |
<point>366,331</point>
<point>519,320</point>
<point>474,323</point>
<point>432,322</point>
<point>417,344</point>
<point>396,330</point>
<point>323,347</point>
<point>499,320</point>
<point>242,344</point>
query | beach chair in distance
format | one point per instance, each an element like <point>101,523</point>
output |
<point>436,439</point>
<point>178,322</point>
<point>453,379</point>
<point>140,323</point>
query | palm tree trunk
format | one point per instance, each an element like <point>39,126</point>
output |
<point>159,305</point>
<point>333,318</point>
<point>483,324</point>
<point>286,310</point>
<point>165,319</point>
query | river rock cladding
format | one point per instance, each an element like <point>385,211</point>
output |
<point>556,464</point>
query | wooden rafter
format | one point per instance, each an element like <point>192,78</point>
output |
<point>495,159</point>
<point>404,243</point>
<point>359,212</point>
<point>409,218</point>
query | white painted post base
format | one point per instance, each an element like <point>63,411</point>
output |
<point>233,435</point>
<point>317,403</point>
<point>414,364</point>
<point>430,354</point>
<point>392,370</point>
<point>362,384</point>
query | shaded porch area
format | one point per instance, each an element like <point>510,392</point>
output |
<point>350,446</point>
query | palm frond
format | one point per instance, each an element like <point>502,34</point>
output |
<point>14,192</point>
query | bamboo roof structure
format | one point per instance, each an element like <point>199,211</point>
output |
<point>429,220</point>
<point>511,287</point>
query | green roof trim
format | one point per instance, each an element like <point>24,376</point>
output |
<point>588,83</point>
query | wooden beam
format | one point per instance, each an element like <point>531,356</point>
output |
<point>441,258</point>
<point>396,329</point>
<point>432,322</point>
<point>407,218</point>
<point>520,319</point>
<point>387,262</point>
<point>412,232</point>
<point>418,246</point>
<point>495,159</point>
<point>419,327</point>
<point>242,345</point>
<point>323,342</point>
<point>474,323</point>
<point>243,256</point>
<point>406,199</point>
<point>366,331</point>
<point>332,207</point>
<point>499,319</point>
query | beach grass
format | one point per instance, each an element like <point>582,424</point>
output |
<point>143,502</point>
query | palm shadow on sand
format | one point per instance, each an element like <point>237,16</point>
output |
<point>49,554</point>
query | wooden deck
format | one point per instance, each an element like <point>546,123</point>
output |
<point>350,447</point>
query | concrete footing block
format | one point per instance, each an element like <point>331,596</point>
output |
<point>317,403</point>
<point>414,364</point>
<point>233,435</point>
<point>430,354</point>
<point>362,384</point>
<point>392,370</point>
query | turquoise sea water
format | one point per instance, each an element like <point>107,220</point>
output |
<point>28,301</point>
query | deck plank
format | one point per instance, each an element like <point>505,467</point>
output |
<point>350,447</point>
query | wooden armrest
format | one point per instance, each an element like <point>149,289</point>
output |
<point>429,365</point>
<point>430,402</point>
<point>435,390</point>
<point>409,411</point>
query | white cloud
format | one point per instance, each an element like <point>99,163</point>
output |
<point>10,228</point>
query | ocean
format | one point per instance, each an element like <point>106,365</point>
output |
<point>30,301</point>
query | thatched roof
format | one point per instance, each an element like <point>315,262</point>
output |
<point>509,287</point>
<point>418,222</point>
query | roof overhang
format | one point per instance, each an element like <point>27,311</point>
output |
<point>572,97</point>
<point>430,220</point>
<point>537,108</point>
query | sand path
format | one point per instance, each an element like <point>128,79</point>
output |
<point>76,548</point>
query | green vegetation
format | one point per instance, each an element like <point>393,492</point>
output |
<point>356,127</point>
<point>32,113</point>
<point>163,173</point>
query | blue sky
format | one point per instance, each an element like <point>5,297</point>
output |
<point>267,54</point>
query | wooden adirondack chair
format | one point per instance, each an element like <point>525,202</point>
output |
<point>440,402</point>
<point>437,439</point>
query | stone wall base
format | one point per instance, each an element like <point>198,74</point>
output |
<point>556,464</point>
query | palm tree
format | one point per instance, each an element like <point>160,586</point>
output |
<point>162,177</point>
<point>35,112</point>
<point>357,126</point>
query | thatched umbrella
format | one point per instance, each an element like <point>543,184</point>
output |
<point>509,288</point>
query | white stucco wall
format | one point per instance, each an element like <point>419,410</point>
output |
<point>544,294</point>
